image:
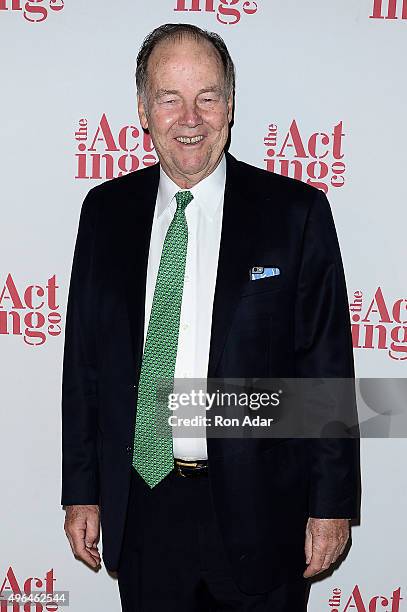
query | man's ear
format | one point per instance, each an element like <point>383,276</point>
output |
<point>142,112</point>
<point>230,107</point>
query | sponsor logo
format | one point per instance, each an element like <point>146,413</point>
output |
<point>358,602</point>
<point>34,11</point>
<point>379,323</point>
<point>32,594</point>
<point>389,9</point>
<point>227,12</point>
<point>316,158</point>
<point>32,312</point>
<point>104,152</point>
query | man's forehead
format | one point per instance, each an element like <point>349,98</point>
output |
<point>169,48</point>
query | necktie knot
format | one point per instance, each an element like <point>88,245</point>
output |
<point>183,198</point>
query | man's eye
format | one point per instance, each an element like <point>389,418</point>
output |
<point>167,100</point>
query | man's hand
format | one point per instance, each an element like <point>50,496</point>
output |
<point>82,524</point>
<point>325,540</point>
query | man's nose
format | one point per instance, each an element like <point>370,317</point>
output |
<point>190,115</point>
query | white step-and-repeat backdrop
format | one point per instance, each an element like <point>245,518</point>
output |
<point>321,96</point>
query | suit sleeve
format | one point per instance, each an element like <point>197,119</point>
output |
<point>323,349</point>
<point>79,378</point>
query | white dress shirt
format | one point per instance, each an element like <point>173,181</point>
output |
<point>204,219</point>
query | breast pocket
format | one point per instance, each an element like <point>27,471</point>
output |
<point>261,285</point>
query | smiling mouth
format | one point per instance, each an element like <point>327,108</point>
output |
<point>189,141</point>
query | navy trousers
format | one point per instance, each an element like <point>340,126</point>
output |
<point>173,558</point>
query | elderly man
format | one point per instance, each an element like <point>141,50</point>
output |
<point>201,267</point>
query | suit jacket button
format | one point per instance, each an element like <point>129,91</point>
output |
<point>128,449</point>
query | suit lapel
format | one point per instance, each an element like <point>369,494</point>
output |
<point>136,243</point>
<point>234,255</point>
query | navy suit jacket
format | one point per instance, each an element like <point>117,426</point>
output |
<point>292,325</point>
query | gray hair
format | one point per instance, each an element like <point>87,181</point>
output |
<point>176,31</point>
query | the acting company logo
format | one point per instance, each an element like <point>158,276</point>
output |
<point>316,158</point>
<point>358,601</point>
<point>31,312</point>
<point>104,151</point>
<point>227,12</point>
<point>389,9</point>
<point>31,594</point>
<point>379,323</point>
<point>34,11</point>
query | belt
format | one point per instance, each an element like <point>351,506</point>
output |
<point>197,467</point>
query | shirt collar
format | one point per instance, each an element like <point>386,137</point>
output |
<point>207,193</point>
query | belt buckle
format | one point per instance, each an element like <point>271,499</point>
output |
<point>180,464</point>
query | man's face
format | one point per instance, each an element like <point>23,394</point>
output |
<point>187,113</point>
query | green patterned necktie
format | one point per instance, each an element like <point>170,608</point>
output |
<point>153,456</point>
